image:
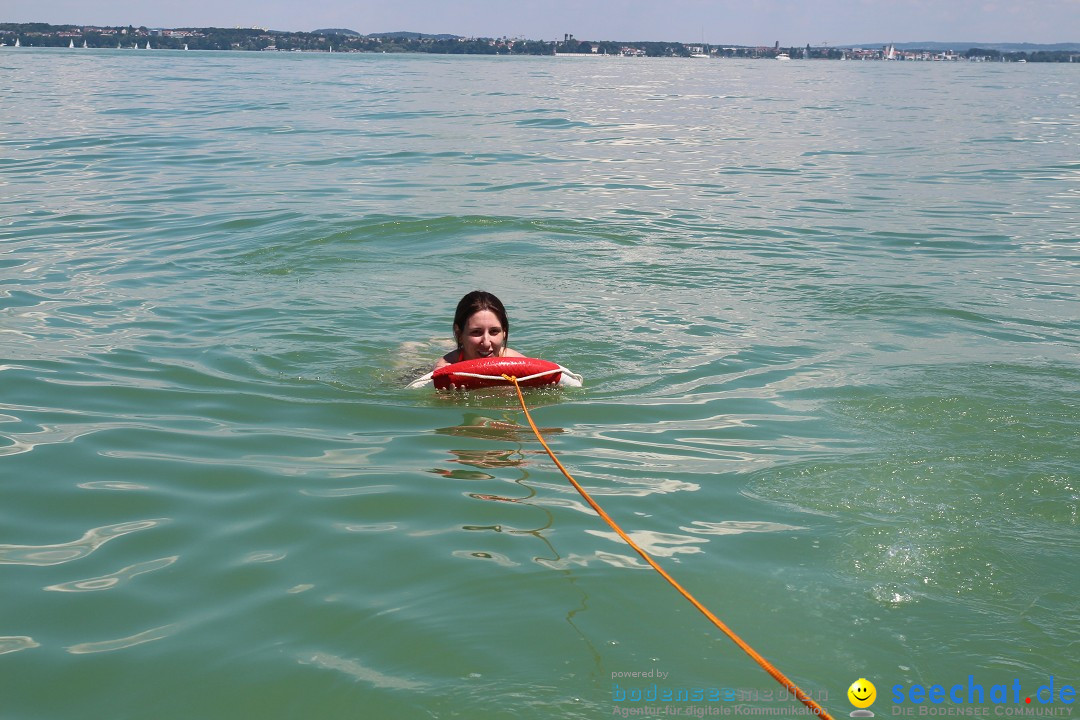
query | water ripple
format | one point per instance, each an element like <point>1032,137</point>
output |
<point>737,527</point>
<point>146,636</point>
<point>74,550</point>
<point>15,643</point>
<point>357,671</point>
<point>106,582</point>
<point>657,544</point>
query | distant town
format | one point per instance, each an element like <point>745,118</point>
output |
<point>17,35</point>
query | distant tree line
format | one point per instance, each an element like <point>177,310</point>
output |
<point>1055,56</point>
<point>609,47</point>
<point>46,35</point>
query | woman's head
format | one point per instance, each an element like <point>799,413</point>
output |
<point>480,325</point>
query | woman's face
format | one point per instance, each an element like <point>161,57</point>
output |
<point>482,336</point>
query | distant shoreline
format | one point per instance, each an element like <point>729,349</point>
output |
<point>347,41</point>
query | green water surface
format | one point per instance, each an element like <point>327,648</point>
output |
<point>826,313</point>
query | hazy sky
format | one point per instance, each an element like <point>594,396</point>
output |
<point>743,22</point>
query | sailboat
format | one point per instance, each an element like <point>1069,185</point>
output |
<point>17,43</point>
<point>71,43</point>
<point>148,45</point>
<point>701,51</point>
<point>84,44</point>
<point>185,46</point>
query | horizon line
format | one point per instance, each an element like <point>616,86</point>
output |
<point>521,37</point>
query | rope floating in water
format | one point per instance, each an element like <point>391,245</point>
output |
<point>743,645</point>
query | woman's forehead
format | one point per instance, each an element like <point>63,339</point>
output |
<point>483,318</point>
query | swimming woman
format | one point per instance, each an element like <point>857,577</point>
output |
<point>481,329</point>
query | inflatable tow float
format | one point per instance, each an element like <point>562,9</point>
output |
<point>488,372</point>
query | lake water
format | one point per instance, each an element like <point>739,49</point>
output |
<point>827,315</point>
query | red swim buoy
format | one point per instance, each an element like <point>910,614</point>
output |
<point>488,372</point>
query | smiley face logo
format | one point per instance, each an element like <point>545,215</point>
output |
<point>862,693</point>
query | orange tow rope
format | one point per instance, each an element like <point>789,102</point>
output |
<point>765,664</point>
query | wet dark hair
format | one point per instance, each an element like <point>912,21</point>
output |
<point>473,303</point>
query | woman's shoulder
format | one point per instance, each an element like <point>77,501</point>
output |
<point>448,359</point>
<point>512,353</point>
